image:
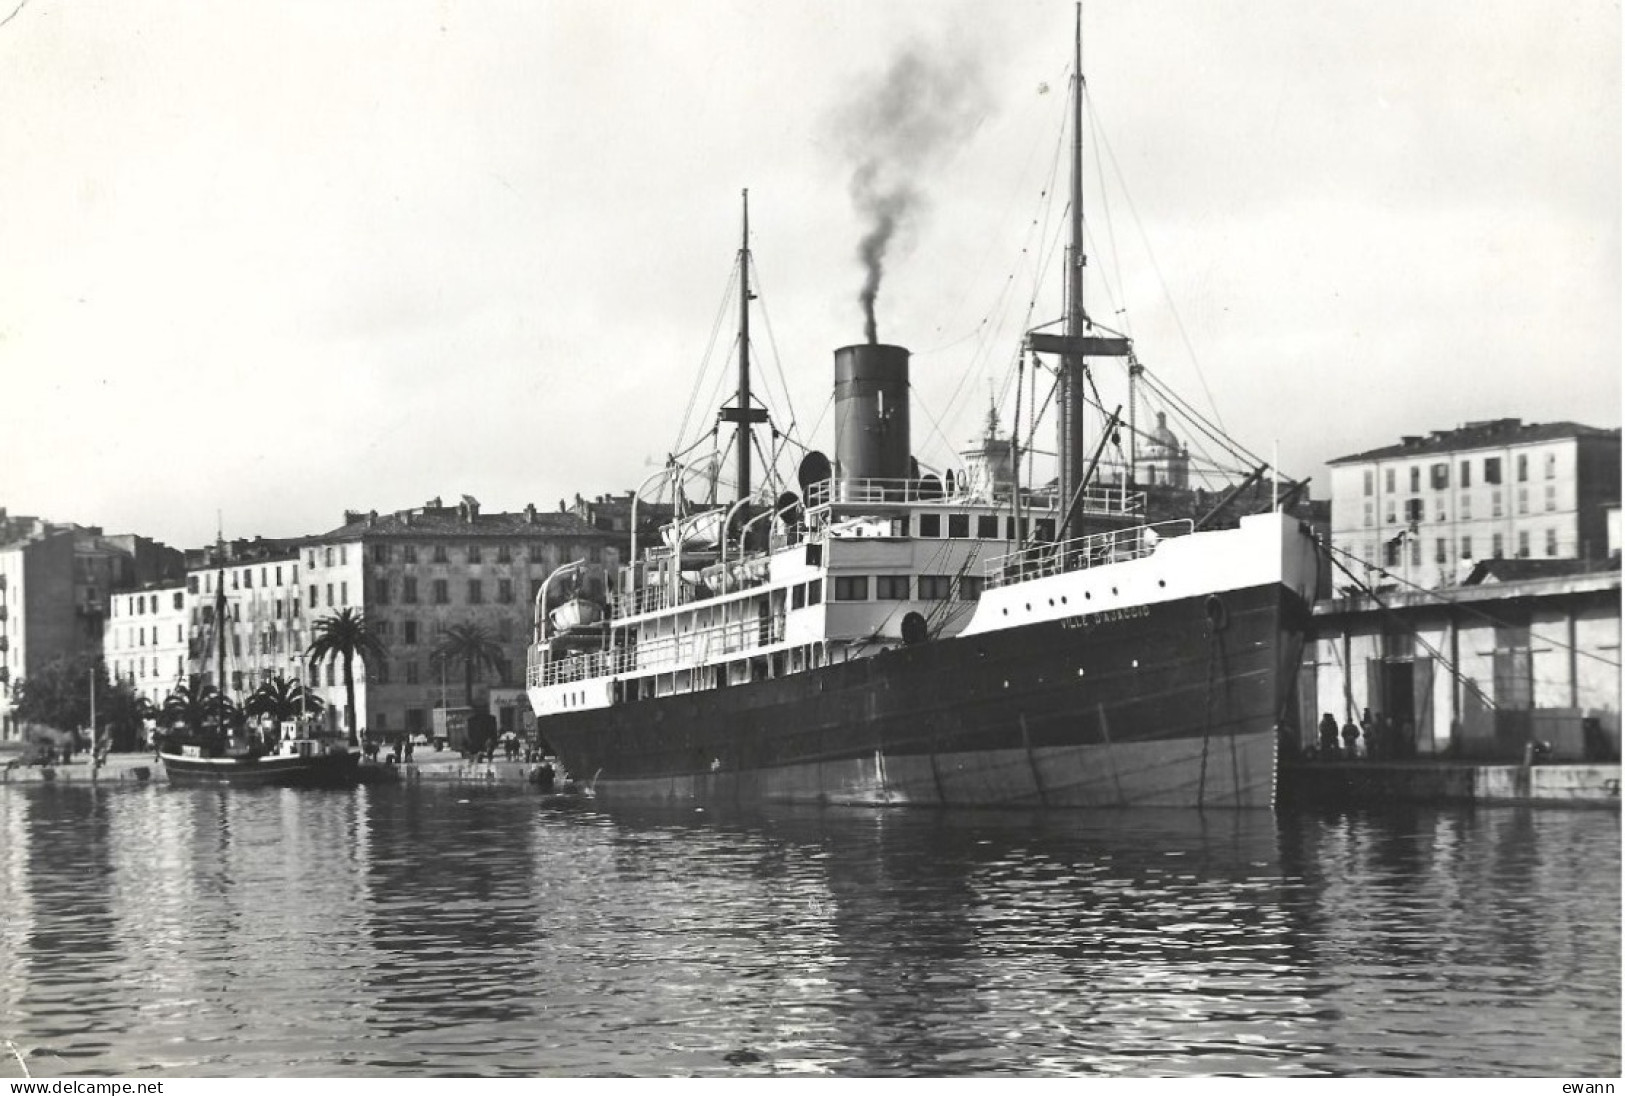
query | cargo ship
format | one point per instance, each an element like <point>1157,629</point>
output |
<point>883,637</point>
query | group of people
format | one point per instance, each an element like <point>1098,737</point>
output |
<point>400,748</point>
<point>1374,738</point>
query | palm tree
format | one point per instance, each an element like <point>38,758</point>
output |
<point>201,708</point>
<point>476,649</point>
<point>344,635</point>
<point>282,700</point>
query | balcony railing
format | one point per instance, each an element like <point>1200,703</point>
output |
<point>1082,553</point>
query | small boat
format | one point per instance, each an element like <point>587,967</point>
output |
<point>300,762</point>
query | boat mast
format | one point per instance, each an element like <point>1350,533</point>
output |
<point>743,415</point>
<point>1069,409</point>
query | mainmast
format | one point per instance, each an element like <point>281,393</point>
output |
<point>1074,345</point>
<point>1069,408</point>
<point>743,414</point>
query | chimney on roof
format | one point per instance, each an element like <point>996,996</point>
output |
<point>352,516</point>
<point>530,513</point>
<point>433,504</point>
<point>372,518</point>
<point>468,509</point>
<point>1411,441</point>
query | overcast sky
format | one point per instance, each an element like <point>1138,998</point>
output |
<point>280,260</point>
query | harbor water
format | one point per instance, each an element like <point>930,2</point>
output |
<point>422,929</point>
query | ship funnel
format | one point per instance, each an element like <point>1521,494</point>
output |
<point>871,412</point>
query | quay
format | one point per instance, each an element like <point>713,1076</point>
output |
<point>1347,783</point>
<point>139,768</point>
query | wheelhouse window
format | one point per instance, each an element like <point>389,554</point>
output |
<point>893,587</point>
<point>970,587</point>
<point>851,588</point>
<point>959,526</point>
<point>936,587</point>
<point>930,526</point>
<point>987,527</point>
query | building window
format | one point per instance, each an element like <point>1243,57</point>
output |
<point>1465,510</point>
<point>409,632</point>
<point>381,674</point>
<point>411,665</point>
<point>441,592</point>
<point>1466,547</point>
<point>936,587</point>
<point>892,587</point>
<point>381,591</point>
<point>505,590</point>
<point>930,525</point>
<point>1551,541</point>
<point>327,557</point>
<point>341,555</point>
<point>1523,544</point>
<point>1392,512</point>
<point>851,588</point>
<point>1439,475</point>
<point>344,593</point>
<point>1495,504</point>
<point>504,554</point>
<point>473,553</point>
<point>1413,511</point>
<point>1523,500</point>
<point>409,590</point>
<point>1523,467</point>
<point>1551,465</point>
<point>1466,473</point>
<point>1370,481</point>
<point>1496,546</point>
<point>1416,478</point>
<point>1492,469</point>
<point>815,591</point>
<point>1391,552</point>
<point>440,553</point>
<point>1441,550</point>
<point>475,595</point>
<point>329,595</point>
<point>536,553</point>
<point>959,526</point>
<point>1416,551</point>
<point>1370,513</point>
<point>330,676</point>
<point>1388,480</point>
<point>409,553</point>
<point>380,553</point>
<point>1551,497</point>
<point>798,596</point>
<point>313,596</point>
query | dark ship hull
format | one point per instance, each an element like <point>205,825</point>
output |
<point>1170,704</point>
<point>328,770</point>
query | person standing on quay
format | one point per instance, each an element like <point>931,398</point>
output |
<point>1351,740</point>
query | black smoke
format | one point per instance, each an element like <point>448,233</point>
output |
<point>895,131</point>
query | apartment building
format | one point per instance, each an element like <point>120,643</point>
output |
<point>57,582</point>
<point>415,573</point>
<point>1426,510</point>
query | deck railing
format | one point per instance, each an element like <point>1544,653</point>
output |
<point>1082,553</point>
<point>662,653</point>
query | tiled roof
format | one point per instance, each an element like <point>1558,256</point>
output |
<point>450,522</point>
<point>1481,435</point>
<point>1513,570</point>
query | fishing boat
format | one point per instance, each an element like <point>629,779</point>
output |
<point>886,637</point>
<point>213,752</point>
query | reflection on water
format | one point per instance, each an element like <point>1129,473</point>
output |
<point>443,930</point>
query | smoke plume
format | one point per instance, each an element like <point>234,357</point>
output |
<point>893,132</point>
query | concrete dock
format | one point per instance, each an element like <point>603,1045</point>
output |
<point>1439,781</point>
